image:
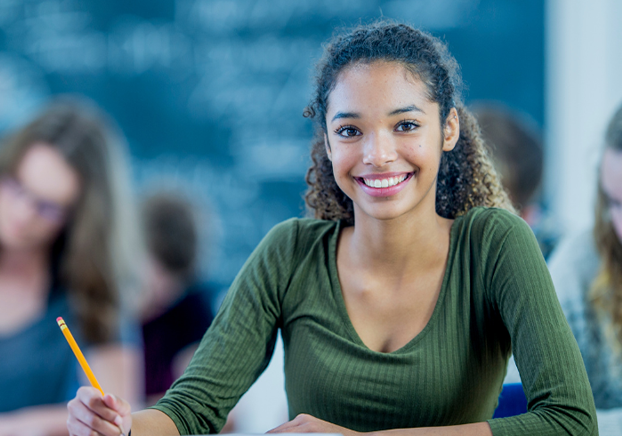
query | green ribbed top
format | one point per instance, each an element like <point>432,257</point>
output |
<point>496,297</point>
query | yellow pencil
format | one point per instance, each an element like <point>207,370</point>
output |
<point>76,350</point>
<point>83,363</point>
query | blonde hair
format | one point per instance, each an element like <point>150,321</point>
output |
<point>606,289</point>
<point>98,251</point>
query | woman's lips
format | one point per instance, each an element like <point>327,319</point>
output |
<point>383,185</point>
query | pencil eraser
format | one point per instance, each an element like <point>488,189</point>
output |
<point>59,319</point>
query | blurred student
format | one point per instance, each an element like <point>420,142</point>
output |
<point>587,272</point>
<point>66,249</point>
<point>518,155</point>
<point>176,310</point>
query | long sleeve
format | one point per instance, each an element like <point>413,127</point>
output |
<point>239,344</point>
<point>558,392</point>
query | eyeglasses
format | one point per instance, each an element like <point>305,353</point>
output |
<point>48,210</point>
<point>612,203</point>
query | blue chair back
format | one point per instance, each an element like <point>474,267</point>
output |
<point>512,401</point>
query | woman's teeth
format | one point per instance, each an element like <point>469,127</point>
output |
<point>385,183</point>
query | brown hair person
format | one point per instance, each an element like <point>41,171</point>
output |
<point>607,286</point>
<point>97,250</point>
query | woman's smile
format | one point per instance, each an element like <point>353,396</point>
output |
<point>384,185</point>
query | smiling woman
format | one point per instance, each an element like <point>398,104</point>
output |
<point>401,302</point>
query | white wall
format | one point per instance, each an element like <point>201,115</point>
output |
<point>584,86</point>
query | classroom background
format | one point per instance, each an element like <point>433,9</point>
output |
<point>209,94</point>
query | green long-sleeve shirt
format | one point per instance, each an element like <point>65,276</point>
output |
<point>496,297</point>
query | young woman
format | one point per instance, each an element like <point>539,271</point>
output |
<point>66,249</point>
<point>587,272</point>
<point>401,302</point>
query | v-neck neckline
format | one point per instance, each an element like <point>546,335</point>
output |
<point>341,304</point>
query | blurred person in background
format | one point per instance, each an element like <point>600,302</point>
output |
<point>587,271</point>
<point>515,143</point>
<point>67,248</point>
<point>175,310</point>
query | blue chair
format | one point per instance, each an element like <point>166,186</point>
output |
<point>512,401</point>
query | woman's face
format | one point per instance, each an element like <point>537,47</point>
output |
<point>35,201</point>
<point>611,182</point>
<point>385,140</point>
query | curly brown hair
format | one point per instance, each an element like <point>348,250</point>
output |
<point>606,292</point>
<point>466,175</point>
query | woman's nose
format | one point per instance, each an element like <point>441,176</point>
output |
<point>379,150</point>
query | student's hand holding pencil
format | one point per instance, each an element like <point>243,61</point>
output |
<point>89,412</point>
<point>92,410</point>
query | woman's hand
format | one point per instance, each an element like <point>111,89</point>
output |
<point>309,424</point>
<point>89,411</point>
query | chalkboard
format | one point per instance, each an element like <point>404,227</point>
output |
<point>210,93</point>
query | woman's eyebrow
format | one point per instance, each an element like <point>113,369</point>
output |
<point>345,115</point>
<point>411,108</point>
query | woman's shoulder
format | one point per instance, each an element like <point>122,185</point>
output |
<point>306,224</point>
<point>491,224</point>
<point>301,231</point>
<point>288,241</point>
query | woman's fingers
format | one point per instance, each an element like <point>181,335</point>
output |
<point>77,428</point>
<point>290,425</point>
<point>304,423</point>
<point>124,410</point>
<point>90,414</point>
<point>93,400</point>
<point>81,417</point>
<point>121,406</point>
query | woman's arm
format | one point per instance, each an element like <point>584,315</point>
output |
<point>239,344</point>
<point>152,423</point>
<point>521,296</point>
<point>233,353</point>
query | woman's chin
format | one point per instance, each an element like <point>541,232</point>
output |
<point>14,241</point>
<point>379,212</point>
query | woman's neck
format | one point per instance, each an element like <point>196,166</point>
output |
<point>24,288</point>
<point>410,243</point>
<point>24,263</point>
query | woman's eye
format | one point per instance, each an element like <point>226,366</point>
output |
<point>614,204</point>
<point>406,126</point>
<point>347,132</point>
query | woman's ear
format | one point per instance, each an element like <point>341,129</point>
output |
<point>327,146</point>
<point>451,131</point>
